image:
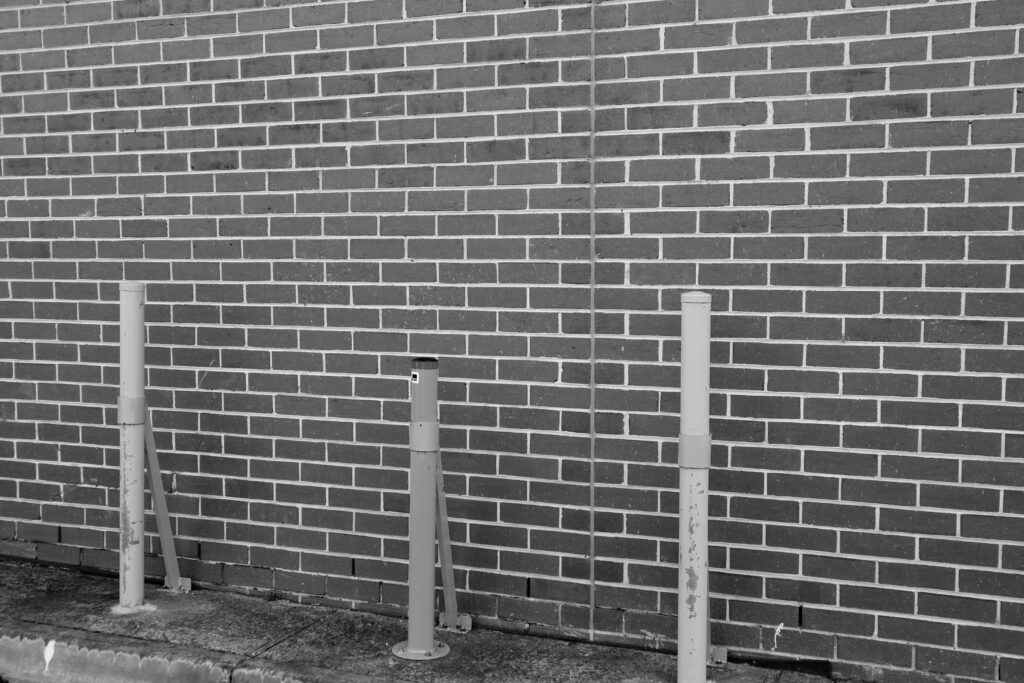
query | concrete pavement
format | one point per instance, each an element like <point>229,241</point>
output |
<point>56,625</point>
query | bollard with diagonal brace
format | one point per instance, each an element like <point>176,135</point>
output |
<point>428,524</point>
<point>139,456</point>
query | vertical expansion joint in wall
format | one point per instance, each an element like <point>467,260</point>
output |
<point>593,310</point>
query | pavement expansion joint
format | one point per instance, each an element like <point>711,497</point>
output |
<point>289,636</point>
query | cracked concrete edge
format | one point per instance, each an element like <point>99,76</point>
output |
<point>32,658</point>
<point>36,653</point>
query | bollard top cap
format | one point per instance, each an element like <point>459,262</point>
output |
<point>424,363</point>
<point>696,298</point>
<point>132,287</point>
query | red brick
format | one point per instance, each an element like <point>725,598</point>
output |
<point>998,12</point>
<point>931,18</point>
<point>732,60</point>
<point>733,8</point>
<point>817,55</point>
<point>989,639</point>
<point>944,661</point>
<point>864,650</point>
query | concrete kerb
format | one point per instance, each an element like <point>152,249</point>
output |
<point>31,653</point>
<point>70,655</point>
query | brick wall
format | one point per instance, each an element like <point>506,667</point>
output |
<point>316,192</point>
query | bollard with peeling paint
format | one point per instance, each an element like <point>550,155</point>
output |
<point>424,446</point>
<point>694,464</point>
<point>131,415</point>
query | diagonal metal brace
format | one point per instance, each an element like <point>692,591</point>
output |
<point>173,579</point>
<point>449,619</point>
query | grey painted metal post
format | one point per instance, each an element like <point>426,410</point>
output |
<point>424,446</point>
<point>131,415</point>
<point>694,464</point>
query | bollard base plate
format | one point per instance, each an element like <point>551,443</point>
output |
<point>402,650</point>
<point>133,609</point>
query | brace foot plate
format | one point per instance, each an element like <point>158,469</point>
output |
<point>463,623</point>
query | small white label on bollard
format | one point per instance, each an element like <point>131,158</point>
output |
<point>415,378</point>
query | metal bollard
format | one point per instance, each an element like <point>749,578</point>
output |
<point>694,463</point>
<point>424,446</point>
<point>131,415</point>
